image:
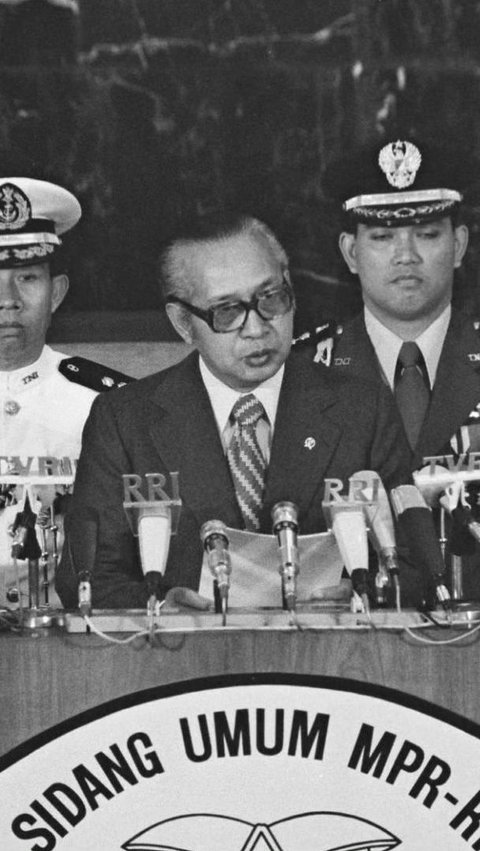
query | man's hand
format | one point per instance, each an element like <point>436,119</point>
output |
<point>336,593</point>
<point>186,598</point>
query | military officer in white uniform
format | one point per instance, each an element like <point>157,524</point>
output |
<point>45,397</point>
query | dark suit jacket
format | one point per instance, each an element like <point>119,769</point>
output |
<point>457,385</point>
<point>455,395</point>
<point>164,423</point>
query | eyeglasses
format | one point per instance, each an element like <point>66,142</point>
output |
<point>232,316</point>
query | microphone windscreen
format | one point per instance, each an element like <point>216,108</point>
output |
<point>349,528</point>
<point>213,527</point>
<point>379,513</point>
<point>415,521</point>
<point>284,512</point>
<point>154,542</point>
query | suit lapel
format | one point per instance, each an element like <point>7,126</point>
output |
<point>354,352</point>
<point>183,429</point>
<point>457,388</point>
<point>305,436</point>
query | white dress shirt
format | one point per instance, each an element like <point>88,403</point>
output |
<point>387,345</point>
<point>223,398</point>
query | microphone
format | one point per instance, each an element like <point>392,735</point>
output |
<point>84,593</point>
<point>214,537</point>
<point>285,527</point>
<point>464,532</point>
<point>434,479</point>
<point>381,530</point>
<point>454,500</point>
<point>347,521</point>
<point>25,546</point>
<point>447,488</point>
<point>154,529</point>
<point>416,522</point>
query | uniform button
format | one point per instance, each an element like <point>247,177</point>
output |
<point>11,407</point>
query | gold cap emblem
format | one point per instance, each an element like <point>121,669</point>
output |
<point>400,162</point>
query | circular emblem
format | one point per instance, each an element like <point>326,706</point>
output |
<point>400,162</point>
<point>11,407</point>
<point>15,209</point>
<point>310,443</point>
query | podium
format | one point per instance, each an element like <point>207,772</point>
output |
<point>49,676</point>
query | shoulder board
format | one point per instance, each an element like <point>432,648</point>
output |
<point>319,342</point>
<point>93,375</point>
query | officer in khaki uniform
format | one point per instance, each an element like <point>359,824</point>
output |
<point>403,236</point>
<point>45,397</point>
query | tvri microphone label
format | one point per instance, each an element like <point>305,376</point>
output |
<point>274,762</point>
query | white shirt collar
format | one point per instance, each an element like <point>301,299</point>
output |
<point>16,380</point>
<point>387,344</point>
<point>223,398</point>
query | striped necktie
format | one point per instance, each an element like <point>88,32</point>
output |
<point>247,464</point>
<point>412,391</point>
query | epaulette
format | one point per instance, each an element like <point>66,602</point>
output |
<point>93,375</point>
<point>319,342</point>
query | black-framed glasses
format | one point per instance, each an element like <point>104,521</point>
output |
<point>232,315</point>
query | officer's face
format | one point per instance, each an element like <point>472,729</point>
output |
<point>28,297</point>
<point>234,269</point>
<point>406,272</point>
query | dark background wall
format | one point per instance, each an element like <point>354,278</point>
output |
<point>150,109</point>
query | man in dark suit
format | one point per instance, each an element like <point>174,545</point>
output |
<point>228,292</point>
<point>403,236</point>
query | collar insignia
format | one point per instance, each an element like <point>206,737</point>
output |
<point>474,356</point>
<point>400,162</point>
<point>324,350</point>
<point>15,209</point>
<point>29,378</point>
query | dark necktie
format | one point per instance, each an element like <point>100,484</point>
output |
<point>412,393</point>
<point>247,464</point>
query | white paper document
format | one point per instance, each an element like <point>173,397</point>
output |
<point>255,580</point>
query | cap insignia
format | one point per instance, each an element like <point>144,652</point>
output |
<point>400,162</point>
<point>15,210</point>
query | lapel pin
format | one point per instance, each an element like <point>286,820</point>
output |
<point>310,442</point>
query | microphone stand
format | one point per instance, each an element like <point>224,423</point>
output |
<point>214,537</point>
<point>151,606</point>
<point>464,532</point>
<point>25,546</point>
<point>285,527</point>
